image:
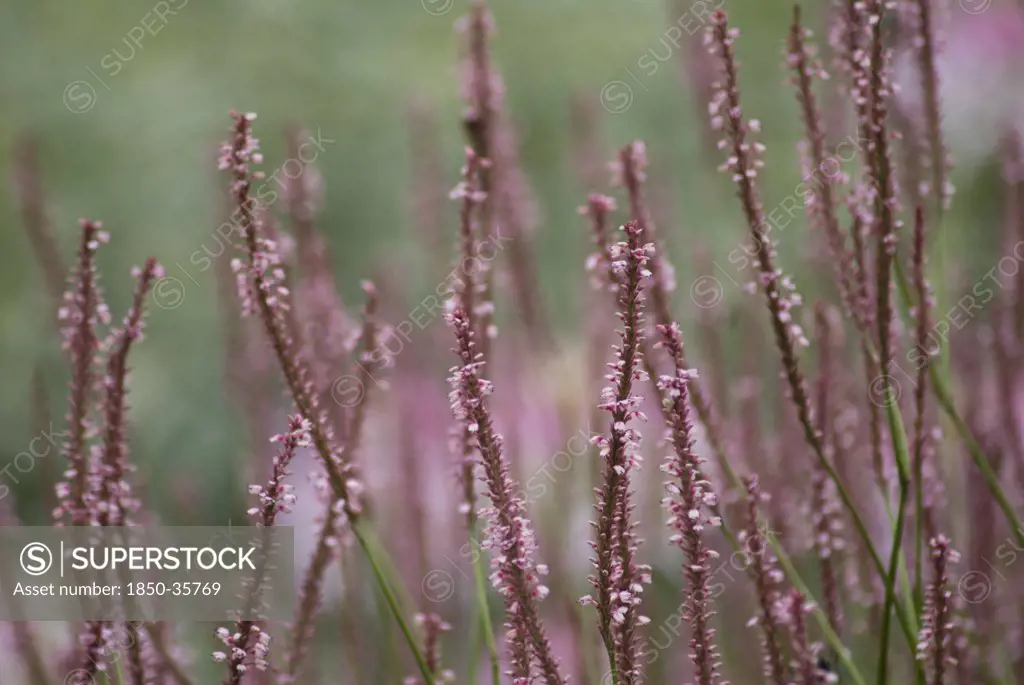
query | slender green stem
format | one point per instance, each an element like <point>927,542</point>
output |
<point>349,617</point>
<point>485,612</point>
<point>991,479</point>
<point>590,659</point>
<point>911,612</point>
<point>614,669</point>
<point>890,583</point>
<point>906,613</point>
<point>907,622</point>
<point>918,589</point>
<point>940,388</point>
<point>387,565</point>
<point>918,539</point>
<point>904,567</point>
<point>942,290</point>
<point>901,450</point>
<point>474,646</point>
<point>392,600</point>
<point>387,652</point>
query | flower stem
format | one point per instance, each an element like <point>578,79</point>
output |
<point>485,613</point>
<point>391,598</point>
<point>474,647</point>
<point>890,581</point>
<point>940,388</point>
<point>901,451</point>
<point>991,479</point>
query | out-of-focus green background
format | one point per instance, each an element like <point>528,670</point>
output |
<point>141,160</point>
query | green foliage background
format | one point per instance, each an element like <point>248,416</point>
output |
<point>141,160</point>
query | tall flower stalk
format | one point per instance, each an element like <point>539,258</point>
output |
<point>825,510</point>
<point>922,313</point>
<point>115,501</point>
<point>263,292</point>
<point>822,205</point>
<point>743,163</point>
<point>468,290</point>
<point>482,94</point>
<point>509,535</point>
<point>507,203</point>
<point>471,297</point>
<point>618,580</point>
<point>689,498</point>
<point>332,532</point>
<point>884,180</point>
<point>886,209</point>
<point>249,643</point>
<point>766,579</point>
<point>631,166</point>
<point>83,310</point>
<point>97,492</point>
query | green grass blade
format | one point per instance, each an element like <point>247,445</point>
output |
<point>392,600</point>
<point>484,613</point>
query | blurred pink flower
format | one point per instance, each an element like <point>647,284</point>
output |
<point>981,80</point>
